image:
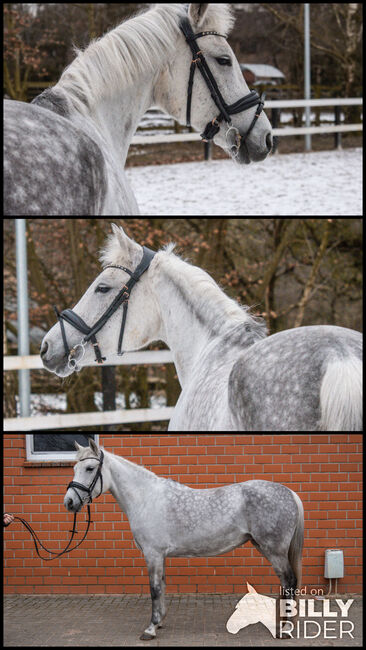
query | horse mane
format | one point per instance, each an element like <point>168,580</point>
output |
<point>208,298</point>
<point>111,60</point>
<point>221,311</point>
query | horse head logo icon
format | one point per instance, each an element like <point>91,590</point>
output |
<point>253,608</point>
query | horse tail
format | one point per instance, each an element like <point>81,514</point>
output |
<point>341,396</point>
<point>297,542</point>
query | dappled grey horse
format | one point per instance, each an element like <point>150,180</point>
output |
<point>233,376</point>
<point>65,153</point>
<point>169,519</point>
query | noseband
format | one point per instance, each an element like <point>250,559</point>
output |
<point>122,297</point>
<point>243,104</point>
<point>91,487</point>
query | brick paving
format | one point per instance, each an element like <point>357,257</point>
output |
<point>192,620</point>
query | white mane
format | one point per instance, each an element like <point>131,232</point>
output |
<point>111,60</point>
<point>207,297</point>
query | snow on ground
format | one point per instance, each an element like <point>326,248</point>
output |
<point>51,403</point>
<point>318,183</point>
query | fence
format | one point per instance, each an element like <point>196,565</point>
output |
<point>88,419</point>
<point>276,105</point>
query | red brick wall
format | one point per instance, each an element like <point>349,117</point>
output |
<point>325,470</point>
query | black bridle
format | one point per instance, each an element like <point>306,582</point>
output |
<point>73,532</point>
<point>92,485</point>
<point>243,104</point>
<point>121,298</point>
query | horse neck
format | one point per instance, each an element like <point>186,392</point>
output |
<point>120,117</point>
<point>194,311</point>
<point>129,482</point>
<point>115,119</point>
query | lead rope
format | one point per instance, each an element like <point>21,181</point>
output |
<point>37,541</point>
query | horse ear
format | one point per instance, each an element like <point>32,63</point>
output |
<point>77,446</point>
<point>117,230</point>
<point>93,446</point>
<point>197,12</point>
<point>129,248</point>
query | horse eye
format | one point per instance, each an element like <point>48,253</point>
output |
<point>224,60</point>
<point>100,289</point>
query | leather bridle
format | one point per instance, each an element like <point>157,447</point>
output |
<point>73,532</point>
<point>122,297</point>
<point>91,487</point>
<point>243,104</point>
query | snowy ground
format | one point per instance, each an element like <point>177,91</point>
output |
<point>49,404</point>
<point>320,183</point>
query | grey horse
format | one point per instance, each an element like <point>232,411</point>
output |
<point>233,377</point>
<point>65,153</point>
<point>169,519</point>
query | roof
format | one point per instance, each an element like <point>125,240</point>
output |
<point>263,70</point>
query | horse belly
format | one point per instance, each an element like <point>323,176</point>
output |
<point>207,545</point>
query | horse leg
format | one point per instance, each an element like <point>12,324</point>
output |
<point>162,599</point>
<point>285,573</point>
<point>283,570</point>
<point>156,568</point>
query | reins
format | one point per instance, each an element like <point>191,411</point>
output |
<point>73,532</point>
<point>72,485</point>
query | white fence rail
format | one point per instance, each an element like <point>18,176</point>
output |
<point>34,361</point>
<point>41,422</point>
<point>94,418</point>
<point>285,131</point>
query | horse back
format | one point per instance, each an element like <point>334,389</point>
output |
<point>276,383</point>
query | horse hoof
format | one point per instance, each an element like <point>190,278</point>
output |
<point>145,636</point>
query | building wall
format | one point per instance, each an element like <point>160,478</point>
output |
<point>324,469</point>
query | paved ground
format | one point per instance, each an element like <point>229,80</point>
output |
<point>192,620</point>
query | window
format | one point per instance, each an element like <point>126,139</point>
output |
<point>55,446</point>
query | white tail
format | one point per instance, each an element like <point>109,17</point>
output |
<point>341,396</point>
<point>297,543</point>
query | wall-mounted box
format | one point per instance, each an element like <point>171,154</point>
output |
<point>334,564</point>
